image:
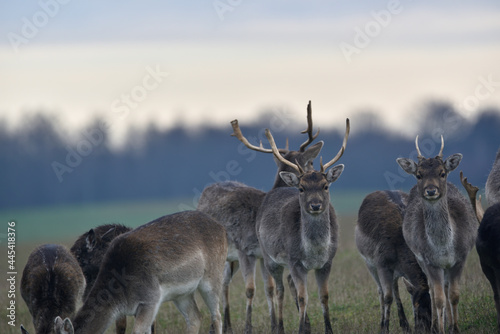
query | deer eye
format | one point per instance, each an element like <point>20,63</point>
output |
<point>419,176</point>
<point>326,187</point>
<point>301,190</point>
<point>443,174</point>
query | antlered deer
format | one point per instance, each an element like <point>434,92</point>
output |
<point>297,228</point>
<point>440,228</point>
<point>493,182</point>
<point>52,284</point>
<point>169,258</point>
<point>89,250</point>
<point>235,206</point>
<point>380,241</point>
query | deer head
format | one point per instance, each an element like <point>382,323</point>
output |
<point>431,173</point>
<point>313,185</point>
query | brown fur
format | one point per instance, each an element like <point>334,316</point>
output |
<point>52,284</point>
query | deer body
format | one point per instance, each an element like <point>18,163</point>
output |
<point>89,250</point>
<point>235,206</point>
<point>297,228</point>
<point>440,228</point>
<point>380,241</point>
<point>492,189</point>
<point>52,284</point>
<point>488,248</point>
<point>167,259</point>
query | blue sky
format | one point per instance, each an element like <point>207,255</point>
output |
<point>95,58</point>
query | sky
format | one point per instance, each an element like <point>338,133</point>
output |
<point>133,63</point>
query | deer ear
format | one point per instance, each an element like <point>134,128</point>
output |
<point>334,173</point>
<point>90,240</point>
<point>452,161</point>
<point>63,327</point>
<point>290,179</point>
<point>408,165</point>
<point>312,152</point>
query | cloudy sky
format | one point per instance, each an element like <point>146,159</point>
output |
<point>198,62</point>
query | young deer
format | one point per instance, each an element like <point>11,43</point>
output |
<point>89,250</point>
<point>379,238</point>
<point>235,206</point>
<point>492,188</point>
<point>52,284</point>
<point>297,228</point>
<point>440,228</point>
<point>167,259</point>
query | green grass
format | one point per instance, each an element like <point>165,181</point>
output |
<point>354,306</point>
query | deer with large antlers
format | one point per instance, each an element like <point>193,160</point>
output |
<point>297,228</point>
<point>235,206</point>
<point>440,228</point>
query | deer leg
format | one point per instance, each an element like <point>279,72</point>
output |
<point>247,264</point>
<point>300,280</point>
<point>403,322</point>
<point>121,325</point>
<point>386,279</point>
<point>454,296</point>
<point>230,269</point>
<point>187,306</point>
<point>493,277</point>
<point>293,292</point>
<point>269,290</point>
<point>322,281</point>
<point>277,272</point>
<point>438,298</point>
<point>144,318</point>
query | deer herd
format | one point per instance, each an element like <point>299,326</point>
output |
<point>423,236</point>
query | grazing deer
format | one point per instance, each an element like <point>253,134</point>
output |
<point>235,206</point>
<point>492,188</point>
<point>89,250</point>
<point>440,228</point>
<point>297,228</point>
<point>379,238</point>
<point>488,248</point>
<point>52,284</point>
<point>167,259</point>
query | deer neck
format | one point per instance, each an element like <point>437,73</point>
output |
<point>437,222</point>
<point>315,231</point>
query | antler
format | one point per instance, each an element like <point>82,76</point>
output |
<point>308,130</point>
<point>238,134</point>
<point>341,151</point>
<point>420,156</point>
<point>279,156</point>
<point>442,146</point>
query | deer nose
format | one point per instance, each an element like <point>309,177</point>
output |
<point>315,207</point>
<point>431,192</point>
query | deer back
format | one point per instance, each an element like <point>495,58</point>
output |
<point>52,284</point>
<point>492,189</point>
<point>90,247</point>
<point>235,206</point>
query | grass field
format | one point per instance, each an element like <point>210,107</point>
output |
<point>354,306</point>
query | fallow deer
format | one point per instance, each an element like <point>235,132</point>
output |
<point>52,284</point>
<point>379,238</point>
<point>492,188</point>
<point>440,228</point>
<point>297,228</point>
<point>89,250</point>
<point>169,258</point>
<point>235,206</point>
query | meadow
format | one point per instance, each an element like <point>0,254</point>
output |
<point>354,303</point>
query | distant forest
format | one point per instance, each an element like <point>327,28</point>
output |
<point>39,167</point>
